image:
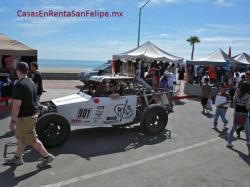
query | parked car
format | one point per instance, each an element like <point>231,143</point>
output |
<point>94,107</point>
<point>104,69</point>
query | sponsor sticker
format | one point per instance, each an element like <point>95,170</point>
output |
<point>111,118</point>
<point>123,111</point>
<point>100,107</point>
<point>84,113</point>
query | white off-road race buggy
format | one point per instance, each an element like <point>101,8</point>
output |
<point>94,107</point>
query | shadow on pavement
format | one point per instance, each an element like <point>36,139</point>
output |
<point>79,87</point>
<point>88,143</point>
<point>8,178</point>
<point>223,135</point>
<point>4,114</point>
<point>179,102</point>
<point>243,156</point>
<point>7,134</point>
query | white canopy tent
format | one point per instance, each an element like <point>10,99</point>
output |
<point>243,58</point>
<point>217,58</point>
<point>12,47</point>
<point>147,52</point>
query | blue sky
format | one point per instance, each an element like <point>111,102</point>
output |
<point>167,23</point>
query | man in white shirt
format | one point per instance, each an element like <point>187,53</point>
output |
<point>237,79</point>
<point>171,80</point>
<point>204,77</point>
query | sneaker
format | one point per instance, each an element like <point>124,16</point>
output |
<point>171,111</point>
<point>14,161</point>
<point>45,161</point>
<point>230,145</point>
<point>238,133</point>
<point>225,125</point>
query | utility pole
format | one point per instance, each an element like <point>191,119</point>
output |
<point>139,26</point>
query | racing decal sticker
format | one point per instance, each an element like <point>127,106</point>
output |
<point>96,100</point>
<point>100,107</point>
<point>112,118</point>
<point>84,113</point>
<point>123,111</point>
<point>98,113</point>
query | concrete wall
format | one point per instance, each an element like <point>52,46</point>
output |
<point>60,76</point>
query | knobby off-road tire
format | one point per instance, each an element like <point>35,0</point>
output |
<point>154,119</point>
<point>52,129</point>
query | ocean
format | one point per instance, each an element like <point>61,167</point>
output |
<point>81,64</point>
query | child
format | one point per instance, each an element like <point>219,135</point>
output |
<point>222,100</point>
<point>205,94</point>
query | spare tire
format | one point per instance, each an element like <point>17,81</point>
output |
<point>154,119</point>
<point>52,129</point>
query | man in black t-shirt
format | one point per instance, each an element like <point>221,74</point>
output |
<point>37,79</point>
<point>24,118</point>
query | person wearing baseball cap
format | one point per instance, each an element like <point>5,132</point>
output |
<point>24,118</point>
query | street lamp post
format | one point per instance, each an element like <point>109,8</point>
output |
<point>139,27</point>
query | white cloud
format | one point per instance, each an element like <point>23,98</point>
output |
<point>225,40</point>
<point>213,36</point>
<point>89,50</point>
<point>216,2</point>
<point>103,50</point>
<point>163,1</point>
<point>156,2</point>
<point>164,35</point>
<point>48,25</point>
<point>223,2</point>
<point>113,28</point>
<point>229,28</point>
<point>217,40</point>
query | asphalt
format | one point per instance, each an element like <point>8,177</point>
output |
<point>193,154</point>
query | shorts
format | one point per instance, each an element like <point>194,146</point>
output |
<point>26,129</point>
<point>204,101</point>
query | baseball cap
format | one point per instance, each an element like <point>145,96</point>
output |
<point>22,66</point>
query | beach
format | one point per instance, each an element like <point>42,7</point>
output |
<point>62,70</point>
<point>53,73</point>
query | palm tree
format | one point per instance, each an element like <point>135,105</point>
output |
<point>192,40</point>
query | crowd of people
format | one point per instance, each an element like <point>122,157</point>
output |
<point>241,103</point>
<point>7,84</point>
<point>27,93</point>
<point>164,75</point>
<point>216,74</point>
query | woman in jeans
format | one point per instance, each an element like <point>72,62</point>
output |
<point>241,113</point>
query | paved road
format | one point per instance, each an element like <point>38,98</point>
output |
<point>195,155</point>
